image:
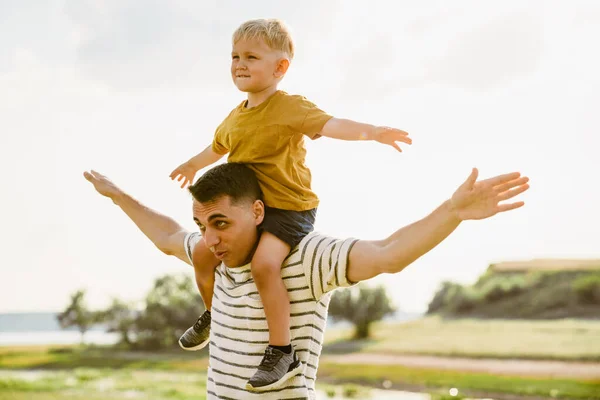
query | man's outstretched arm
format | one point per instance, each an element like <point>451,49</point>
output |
<point>472,200</point>
<point>163,231</point>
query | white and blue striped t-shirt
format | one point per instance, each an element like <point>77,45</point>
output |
<point>239,333</point>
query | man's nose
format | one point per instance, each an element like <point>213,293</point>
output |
<point>211,238</point>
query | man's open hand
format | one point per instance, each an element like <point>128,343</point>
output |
<point>102,184</point>
<point>481,199</point>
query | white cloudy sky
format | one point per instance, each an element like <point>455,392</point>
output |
<point>132,88</point>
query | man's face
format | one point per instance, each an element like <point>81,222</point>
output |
<point>254,65</point>
<point>229,229</point>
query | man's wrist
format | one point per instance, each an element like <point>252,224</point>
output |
<point>452,210</point>
<point>118,198</point>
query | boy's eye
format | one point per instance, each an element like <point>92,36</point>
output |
<point>251,57</point>
<point>234,57</point>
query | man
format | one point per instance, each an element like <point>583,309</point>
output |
<point>228,210</point>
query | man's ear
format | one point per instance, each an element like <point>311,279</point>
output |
<point>282,66</point>
<point>258,208</point>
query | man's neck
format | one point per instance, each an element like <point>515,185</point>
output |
<point>257,98</point>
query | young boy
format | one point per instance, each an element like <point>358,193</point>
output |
<point>266,132</point>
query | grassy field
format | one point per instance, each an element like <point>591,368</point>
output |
<point>557,340</point>
<point>475,384</point>
<point>56,372</point>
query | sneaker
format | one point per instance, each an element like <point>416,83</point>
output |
<point>275,368</point>
<point>197,336</point>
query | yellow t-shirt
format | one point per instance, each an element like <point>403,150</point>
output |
<point>269,138</point>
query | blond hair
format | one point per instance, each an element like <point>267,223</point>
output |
<point>272,31</point>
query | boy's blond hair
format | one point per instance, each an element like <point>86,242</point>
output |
<point>272,31</point>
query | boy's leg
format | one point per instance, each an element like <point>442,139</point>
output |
<point>205,264</point>
<point>197,336</point>
<point>266,271</point>
<point>280,361</point>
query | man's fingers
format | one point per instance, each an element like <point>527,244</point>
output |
<point>394,145</point>
<point>510,206</point>
<point>87,176</point>
<point>509,194</point>
<point>470,182</point>
<point>501,179</point>
<point>509,185</point>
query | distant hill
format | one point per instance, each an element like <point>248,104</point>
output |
<point>546,265</point>
<point>536,289</point>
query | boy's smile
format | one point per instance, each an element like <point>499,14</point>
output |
<point>254,66</point>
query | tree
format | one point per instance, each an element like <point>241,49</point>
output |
<point>172,306</point>
<point>77,314</point>
<point>361,306</point>
<point>120,317</point>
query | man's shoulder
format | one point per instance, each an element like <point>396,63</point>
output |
<point>316,242</point>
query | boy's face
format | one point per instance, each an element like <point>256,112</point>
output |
<point>255,66</point>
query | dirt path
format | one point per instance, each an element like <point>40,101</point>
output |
<point>537,368</point>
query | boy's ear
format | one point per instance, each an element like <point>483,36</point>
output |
<point>282,66</point>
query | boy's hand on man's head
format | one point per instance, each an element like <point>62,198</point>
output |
<point>185,171</point>
<point>389,136</point>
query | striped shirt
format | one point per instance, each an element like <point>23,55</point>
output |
<point>239,332</point>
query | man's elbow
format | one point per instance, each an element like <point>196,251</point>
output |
<point>165,245</point>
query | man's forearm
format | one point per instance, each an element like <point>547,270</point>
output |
<point>411,242</point>
<point>391,255</point>
<point>345,129</point>
<point>160,229</point>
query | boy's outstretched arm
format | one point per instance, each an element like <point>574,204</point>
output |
<point>188,169</point>
<point>166,234</point>
<point>345,129</point>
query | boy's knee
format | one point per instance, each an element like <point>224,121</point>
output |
<point>265,269</point>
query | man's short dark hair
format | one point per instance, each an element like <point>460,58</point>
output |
<point>235,180</point>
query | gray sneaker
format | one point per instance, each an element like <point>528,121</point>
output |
<point>275,368</point>
<point>197,336</point>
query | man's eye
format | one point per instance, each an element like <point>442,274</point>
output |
<point>221,224</point>
<point>251,57</point>
<point>234,57</point>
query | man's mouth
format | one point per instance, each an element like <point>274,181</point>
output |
<point>219,254</point>
<point>242,76</point>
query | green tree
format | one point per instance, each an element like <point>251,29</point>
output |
<point>172,306</point>
<point>120,317</point>
<point>77,314</point>
<point>361,306</point>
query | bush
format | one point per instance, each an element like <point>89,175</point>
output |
<point>587,289</point>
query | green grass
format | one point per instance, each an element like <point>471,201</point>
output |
<point>556,339</point>
<point>68,357</point>
<point>78,373</point>
<point>103,384</point>
<point>465,381</point>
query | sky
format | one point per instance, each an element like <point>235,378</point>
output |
<point>132,89</point>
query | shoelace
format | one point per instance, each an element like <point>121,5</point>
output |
<point>270,359</point>
<point>203,318</point>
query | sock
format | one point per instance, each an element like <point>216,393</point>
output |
<point>208,311</point>
<point>286,349</point>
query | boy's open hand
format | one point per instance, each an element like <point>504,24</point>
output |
<point>389,136</point>
<point>186,172</point>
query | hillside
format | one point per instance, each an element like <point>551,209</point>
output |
<point>534,293</point>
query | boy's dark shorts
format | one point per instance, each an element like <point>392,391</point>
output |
<point>289,226</point>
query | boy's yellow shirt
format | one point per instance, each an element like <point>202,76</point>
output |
<point>269,138</point>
